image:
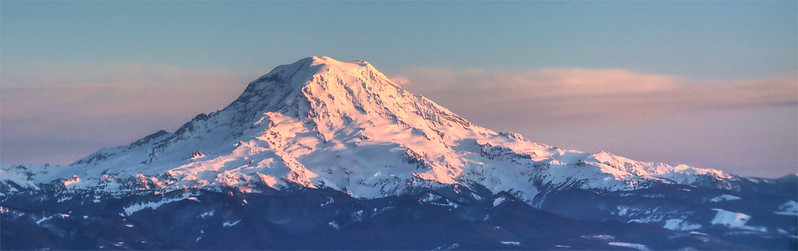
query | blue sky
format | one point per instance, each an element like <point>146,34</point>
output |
<point>718,49</point>
<point>697,39</point>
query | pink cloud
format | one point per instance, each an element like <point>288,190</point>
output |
<point>77,110</point>
<point>401,80</point>
<point>559,97</point>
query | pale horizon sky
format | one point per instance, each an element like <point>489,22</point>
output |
<point>708,83</point>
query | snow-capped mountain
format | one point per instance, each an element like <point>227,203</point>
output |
<point>344,125</point>
<point>324,124</point>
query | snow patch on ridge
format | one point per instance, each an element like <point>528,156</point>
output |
<point>724,197</point>
<point>230,223</point>
<point>498,201</point>
<point>681,225</point>
<point>131,209</point>
<point>637,246</point>
<point>734,220</point>
<point>788,208</point>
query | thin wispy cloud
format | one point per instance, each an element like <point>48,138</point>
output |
<point>75,110</point>
<point>560,97</point>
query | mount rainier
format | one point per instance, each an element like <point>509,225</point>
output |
<point>336,153</point>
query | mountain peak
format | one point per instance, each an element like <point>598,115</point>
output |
<point>331,62</point>
<point>296,78</point>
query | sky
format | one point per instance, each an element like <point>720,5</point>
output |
<point>706,83</point>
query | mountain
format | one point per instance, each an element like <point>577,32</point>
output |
<point>343,136</point>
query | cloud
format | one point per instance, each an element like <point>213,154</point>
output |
<point>562,97</point>
<point>78,109</point>
<point>401,80</point>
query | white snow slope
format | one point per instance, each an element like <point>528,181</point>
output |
<point>324,123</point>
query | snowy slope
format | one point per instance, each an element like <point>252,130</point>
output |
<point>324,123</point>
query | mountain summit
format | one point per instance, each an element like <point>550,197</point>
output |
<point>320,122</point>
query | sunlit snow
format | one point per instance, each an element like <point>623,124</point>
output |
<point>640,247</point>
<point>320,122</point>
